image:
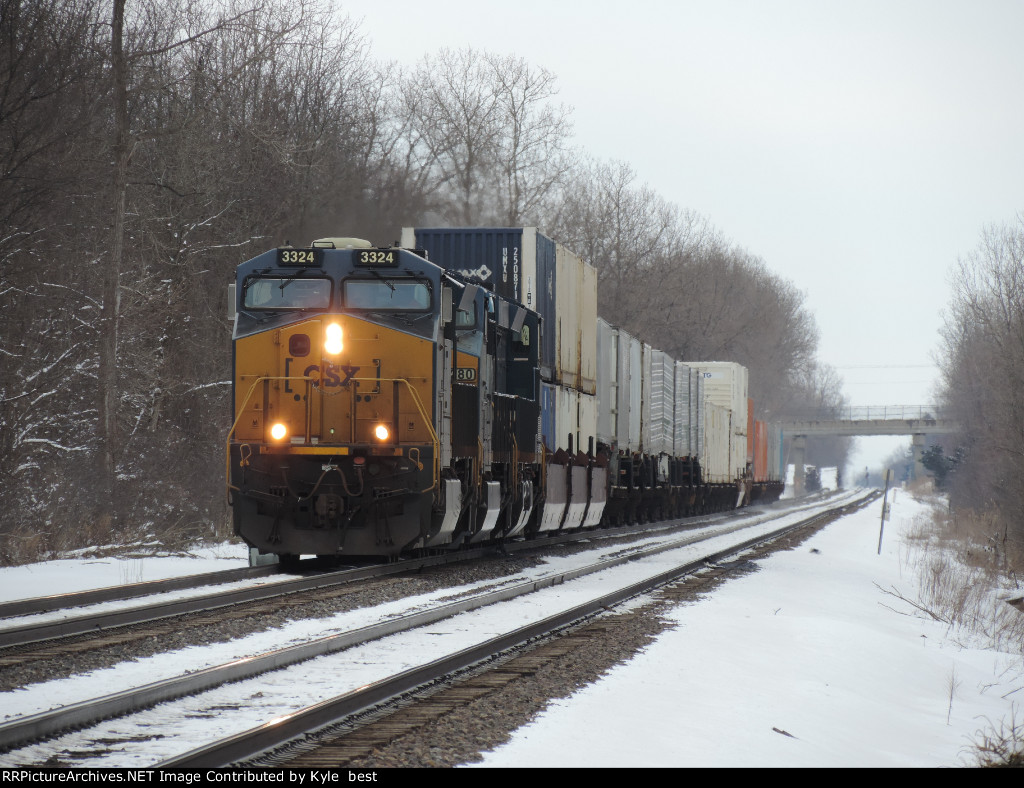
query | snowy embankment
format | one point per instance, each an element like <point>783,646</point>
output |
<point>71,574</point>
<point>806,662</point>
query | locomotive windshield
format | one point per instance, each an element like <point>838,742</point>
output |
<point>394,293</point>
<point>288,293</point>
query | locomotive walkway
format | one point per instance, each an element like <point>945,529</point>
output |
<point>913,420</point>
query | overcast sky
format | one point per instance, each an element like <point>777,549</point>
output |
<point>858,147</point>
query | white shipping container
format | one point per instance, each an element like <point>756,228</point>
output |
<point>586,433</point>
<point>576,415</point>
<point>567,401</point>
<point>663,396</point>
<point>608,382</point>
<point>630,392</point>
<point>726,385</point>
<point>619,387</point>
<point>697,415</point>
<point>646,437</point>
<point>682,440</point>
<point>569,279</point>
<point>575,423</point>
<point>681,415</point>
<point>715,460</point>
<point>588,329</point>
<point>576,313</point>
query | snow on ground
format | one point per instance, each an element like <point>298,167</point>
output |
<point>798,664</point>
<point>178,726</point>
<point>487,623</point>
<point>80,574</point>
<point>802,647</point>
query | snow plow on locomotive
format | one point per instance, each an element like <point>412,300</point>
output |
<point>461,389</point>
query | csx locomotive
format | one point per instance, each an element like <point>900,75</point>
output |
<point>445,392</point>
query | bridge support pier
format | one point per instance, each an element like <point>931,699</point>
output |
<point>799,453</point>
<point>917,445</point>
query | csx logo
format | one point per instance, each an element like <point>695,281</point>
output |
<point>333,377</point>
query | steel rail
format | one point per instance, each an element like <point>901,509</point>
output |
<point>33,633</point>
<point>235,750</point>
<point>45,724</point>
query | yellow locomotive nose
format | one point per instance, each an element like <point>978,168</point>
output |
<point>332,339</point>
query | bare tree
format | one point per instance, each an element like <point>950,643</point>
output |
<point>51,86</point>
<point>48,77</point>
<point>532,150</point>
<point>453,112</point>
<point>983,373</point>
<point>143,49</point>
<point>628,232</point>
<point>726,304</point>
<point>667,277</point>
<point>400,186</point>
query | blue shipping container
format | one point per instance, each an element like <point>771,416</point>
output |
<point>548,416</point>
<point>518,263</point>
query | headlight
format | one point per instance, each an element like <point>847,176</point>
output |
<point>381,432</point>
<point>278,431</point>
<point>332,339</point>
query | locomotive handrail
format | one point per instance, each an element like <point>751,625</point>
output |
<point>426,420</point>
<point>241,410</point>
<point>435,441</point>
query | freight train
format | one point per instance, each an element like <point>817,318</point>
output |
<point>459,388</point>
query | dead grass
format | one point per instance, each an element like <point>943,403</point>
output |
<point>965,578</point>
<point>52,539</point>
<point>969,567</point>
<point>1000,745</point>
<point>85,536</point>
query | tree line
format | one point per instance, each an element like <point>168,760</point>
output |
<point>147,148</point>
<point>982,364</point>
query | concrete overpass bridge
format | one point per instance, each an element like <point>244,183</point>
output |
<point>917,421</point>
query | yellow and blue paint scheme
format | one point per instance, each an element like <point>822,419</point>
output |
<point>335,447</point>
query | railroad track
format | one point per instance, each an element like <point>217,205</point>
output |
<point>304,732</point>
<point>18,732</point>
<point>97,630</point>
<point>94,623</point>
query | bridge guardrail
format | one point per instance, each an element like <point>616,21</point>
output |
<point>868,413</point>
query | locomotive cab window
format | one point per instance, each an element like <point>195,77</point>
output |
<point>466,319</point>
<point>287,293</point>
<point>402,294</point>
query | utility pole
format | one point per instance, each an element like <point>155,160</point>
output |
<point>885,508</point>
